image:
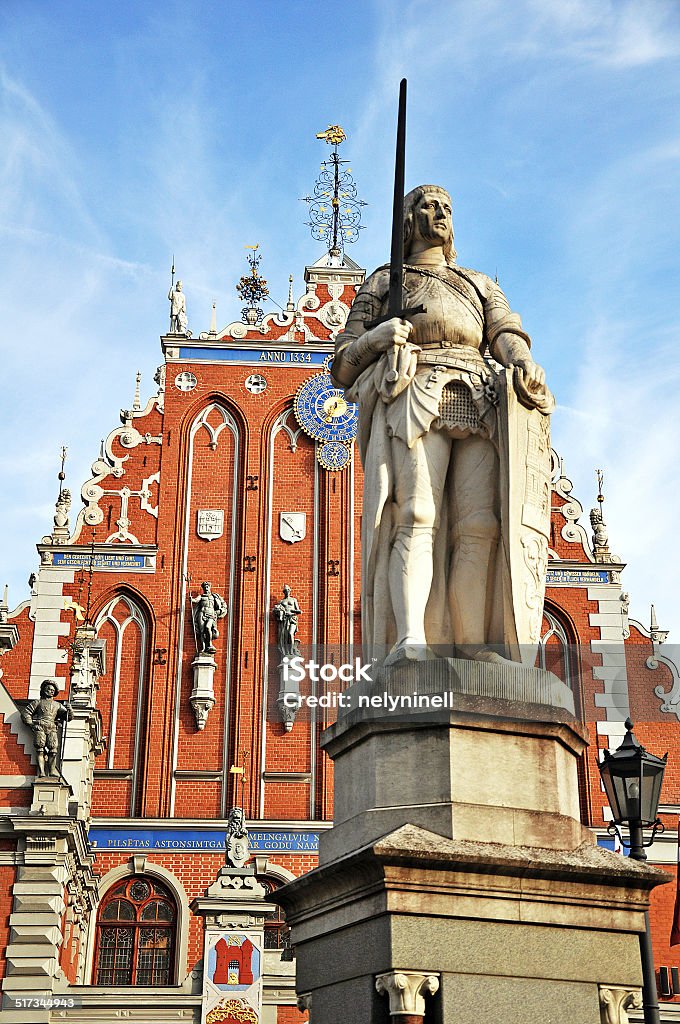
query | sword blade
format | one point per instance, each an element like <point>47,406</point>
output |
<point>395,298</point>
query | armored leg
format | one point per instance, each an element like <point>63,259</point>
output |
<point>474,538</point>
<point>420,475</point>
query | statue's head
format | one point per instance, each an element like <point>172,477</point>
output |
<point>178,286</point>
<point>427,212</point>
<point>205,586</point>
<point>49,688</point>
<point>286,590</point>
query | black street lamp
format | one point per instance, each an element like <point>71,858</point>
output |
<point>632,780</point>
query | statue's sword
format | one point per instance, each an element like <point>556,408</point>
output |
<point>396,293</point>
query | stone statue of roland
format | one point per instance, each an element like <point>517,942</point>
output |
<point>455,451</point>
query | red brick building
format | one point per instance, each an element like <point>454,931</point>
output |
<point>214,479</point>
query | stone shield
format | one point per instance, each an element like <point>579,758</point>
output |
<point>524,452</point>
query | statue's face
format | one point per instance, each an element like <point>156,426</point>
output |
<point>50,690</point>
<point>178,286</point>
<point>286,590</point>
<point>433,222</point>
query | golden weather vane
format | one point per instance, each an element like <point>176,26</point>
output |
<point>334,209</point>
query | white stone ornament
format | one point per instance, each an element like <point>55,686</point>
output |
<point>615,1001</point>
<point>406,991</point>
<point>256,383</point>
<point>292,526</point>
<point>186,381</point>
<point>334,314</point>
<point>210,523</point>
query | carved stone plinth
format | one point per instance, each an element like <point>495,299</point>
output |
<point>460,856</point>
<point>202,697</point>
<point>51,796</point>
<point>235,907</point>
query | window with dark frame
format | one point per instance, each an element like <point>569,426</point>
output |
<point>136,934</point>
<point>274,927</point>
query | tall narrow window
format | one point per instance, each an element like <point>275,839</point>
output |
<point>136,934</point>
<point>556,654</point>
<point>123,626</point>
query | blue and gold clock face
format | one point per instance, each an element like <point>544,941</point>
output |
<point>323,411</point>
<point>334,455</point>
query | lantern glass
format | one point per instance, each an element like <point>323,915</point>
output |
<point>632,780</point>
<point>650,793</point>
<point>622,786</point>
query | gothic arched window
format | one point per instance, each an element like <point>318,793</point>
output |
<point>136,932</point>
<point>123,625</point>
<point>556,653</point>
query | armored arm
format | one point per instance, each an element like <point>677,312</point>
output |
<point>510,345</point>
<point>356,348</point>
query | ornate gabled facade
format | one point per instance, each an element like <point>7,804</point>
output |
<point>217,536</point>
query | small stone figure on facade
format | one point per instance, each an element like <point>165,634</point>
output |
<point>178,310</point>
<point>600,535</point>
<point>207,609</point>
<point>287,611</point>
<point>62,508</point>
<point>43,717</point>
<point>236,843</point>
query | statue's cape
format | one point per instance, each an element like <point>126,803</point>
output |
<point>523,445</point>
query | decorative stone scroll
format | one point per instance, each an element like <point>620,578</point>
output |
<point>406,991</point>
<point>615,1001</point>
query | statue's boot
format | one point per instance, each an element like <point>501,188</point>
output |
<point>410,579</point>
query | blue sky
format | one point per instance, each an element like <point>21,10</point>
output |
<point>135,131</point>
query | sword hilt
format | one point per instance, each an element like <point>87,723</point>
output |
<point>402,314</point>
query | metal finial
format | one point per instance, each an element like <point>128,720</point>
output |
<point>334,210</point>
<point>252,289</point>
<point>291,304</point>
<point>137,402</point>
<point>213,322</point>
<point>600,482</point>
<point>61,476</point>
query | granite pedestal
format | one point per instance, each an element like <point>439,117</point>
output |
<point>458,884</point>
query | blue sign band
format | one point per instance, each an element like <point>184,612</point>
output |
<point>256,356</point>
<point>83,559</point>
<point>577,577</point>
<point>199,840</point>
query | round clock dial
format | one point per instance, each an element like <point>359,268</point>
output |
<point>323,411</point>
<point>334,455</point>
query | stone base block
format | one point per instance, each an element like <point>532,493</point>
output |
<point>485,770</point>
<point>512,934</point>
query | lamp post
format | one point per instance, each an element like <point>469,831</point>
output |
<point>632,780</point>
